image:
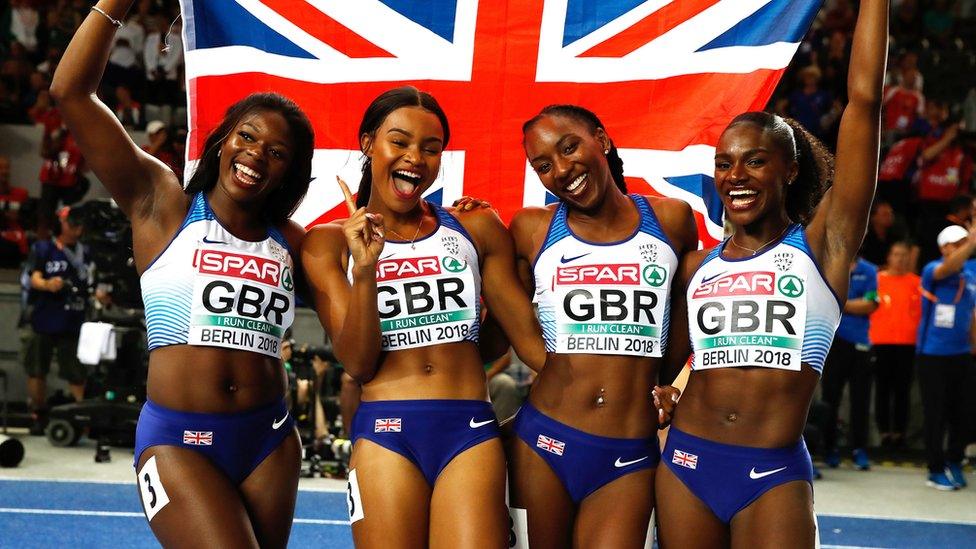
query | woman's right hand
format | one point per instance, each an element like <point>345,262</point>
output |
<point>364,232</point>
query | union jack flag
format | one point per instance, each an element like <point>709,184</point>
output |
<point>550,445</point>
<point>685,459</point>
<point>198,438</point>
<point>388,425</point>
<point>665,76</point>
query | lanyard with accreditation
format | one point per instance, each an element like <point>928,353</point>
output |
<point>945,313</point>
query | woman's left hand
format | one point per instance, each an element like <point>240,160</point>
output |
<point>468,203</point>
<point>665,400</point>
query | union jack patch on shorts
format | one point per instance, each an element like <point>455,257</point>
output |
<point>198,438</point>
<point>685,459</point>
<point>388,425</point>
<point>550,445</point>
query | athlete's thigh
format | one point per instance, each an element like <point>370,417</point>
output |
<point>467,508</point>
<point>391,509</point>
<point>534,486</point>
<point>683,520</point>
<point>270,490</point>
<point>782,517</point>
<point>193,503</point>
<point>617,514</point>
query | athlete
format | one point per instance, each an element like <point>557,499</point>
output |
<point>217,455</point>
<point>601,264</point>
<point>762,308</point>
<point>427,466</point>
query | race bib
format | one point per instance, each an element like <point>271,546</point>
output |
<point>749,319</point>
<point>241,301</point>
<point>615,309</point>
<point>426,301</point>
<point>945,315</point>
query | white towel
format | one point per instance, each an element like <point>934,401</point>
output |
<point>96,342</point>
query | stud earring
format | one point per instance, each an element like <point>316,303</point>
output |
<point>606,151</point>
<point>218,153</point>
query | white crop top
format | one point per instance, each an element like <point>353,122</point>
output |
<point>428,290</point>
<point>605,298</point>
<point>774,309</point>
<point>211,288</point>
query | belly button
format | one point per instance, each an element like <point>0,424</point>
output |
<point>429,368</point>
<point>732,417</point>
<point>232,388</point>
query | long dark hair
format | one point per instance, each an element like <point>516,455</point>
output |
<point>815,163</point>
<point>588,118</point>
<point>376,113</point>
<point>282,202</point>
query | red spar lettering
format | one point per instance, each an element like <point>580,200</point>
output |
<point>751,283</point>
<point>619,273</point>
<point>407,268</point>
<point>248,267</point>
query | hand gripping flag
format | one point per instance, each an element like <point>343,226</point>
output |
<point>664,76</point>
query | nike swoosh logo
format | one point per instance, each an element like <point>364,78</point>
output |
<point>475,424</point>
<point>755,476</point>
<point>279,422</point>
<point>387,257</point>
<point>565,259</point>
<point>619,463</point>
<point>208,241</point>
<point>713,277</point>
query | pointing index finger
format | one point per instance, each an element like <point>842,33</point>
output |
<point>350,203</point>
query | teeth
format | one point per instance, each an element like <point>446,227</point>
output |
<point>576,183</point>
<point>251,174</point>
<point>742,192</point>
<point>408,174</point>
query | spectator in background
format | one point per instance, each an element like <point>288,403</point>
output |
<point>503,390</point>
<point>59,282</point>
<point>850,360</point>
<point>883,230</point>
<point>162,58</point>
<point>931,221</point>
<point>905,25</point>
<point>24,20</point>
<point>834,64</point>
<point>809,104</point>
<point>903,101</point>
<point>50,62</point>
<point>127,109</point>
<point>936,114</point>
<point>43,109</point>
<point>123,66</point>
<point>893,329</point>
<point>13,239</point>
<point>62,180</point>
<point>945,365</point>
<point>840,17</point>
<point>10,108</point>
<point>133,32</point>
<point>938,22</point>
<point>160,145</point>
<point>16,69</point>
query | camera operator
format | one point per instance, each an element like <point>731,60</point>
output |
<point>60,274</point>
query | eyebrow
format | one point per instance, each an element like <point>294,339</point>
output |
<point>408,134</point>
<point>257,129</point>
<point>558,144</point>
<point>747,153</point>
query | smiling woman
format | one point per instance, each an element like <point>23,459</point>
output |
<point>404,316</point>
<point>217,264</point>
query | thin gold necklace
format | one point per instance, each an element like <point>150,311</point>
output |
<point>413,246</point>
<point>764,244</point>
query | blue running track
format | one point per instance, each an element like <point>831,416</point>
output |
<point>45,514</point>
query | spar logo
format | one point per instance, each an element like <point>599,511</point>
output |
<point>790,286</point>
<point>752,283</point>
<point>616,274</point>
<point>247,267</point>
<point>413,267</point>
<point>655,275</point>
<point>453,264</point>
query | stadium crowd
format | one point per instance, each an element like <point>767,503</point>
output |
<point>911,301</point>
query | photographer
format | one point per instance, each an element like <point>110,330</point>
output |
<point>60,271</point>
<point>307,367</point>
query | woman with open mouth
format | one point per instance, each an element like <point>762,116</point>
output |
<point>217,454</point>
<point>601,264</point>
<point>761,309</point>
<point>397,286</point>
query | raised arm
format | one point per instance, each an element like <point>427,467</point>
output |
<point>348,311</point>
<point>503,292</point>
<point>142,186</point>
<point>838,226</point>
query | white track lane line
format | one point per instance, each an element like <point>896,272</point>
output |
<point>82,512</point>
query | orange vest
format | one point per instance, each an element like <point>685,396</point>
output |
<point>895,321</point>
